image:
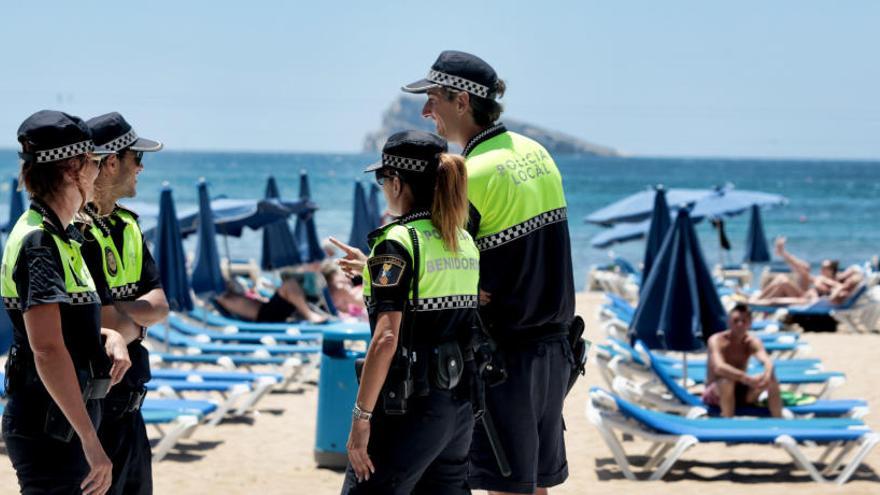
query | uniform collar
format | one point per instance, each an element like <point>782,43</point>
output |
<point>421,214</point>
<point>97,220</point>
<point>482,136</point>
<point>52,223</point>
<point>101,220</point>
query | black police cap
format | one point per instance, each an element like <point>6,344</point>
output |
<point>112,134</point>
<point>411,151</point>
<point>458,70</point>
<point>50,135</point>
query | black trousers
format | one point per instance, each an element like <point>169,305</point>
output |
<point>527,412</point>
<point>44,465</point>
<point>423,452</point>
<point>124,437</point>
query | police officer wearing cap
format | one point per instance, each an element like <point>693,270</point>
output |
<point>130,290</point>
<point>519,222</point>
<point>412,421</point>
<point>58,369</point>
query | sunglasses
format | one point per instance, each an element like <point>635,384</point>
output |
<point>138,156</point>
<point>381,178</point>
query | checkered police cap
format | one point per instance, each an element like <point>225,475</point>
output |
<point>411,151</point>
<point>456,82</point>
<point>121,142</point>
<point>49,136</point>
<point>404,163</point>
<point>461,71</point>
<point>63,152</point>
<point>112,134</point>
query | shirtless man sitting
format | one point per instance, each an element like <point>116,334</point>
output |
<point>728,385</point>
<point>805,288</point>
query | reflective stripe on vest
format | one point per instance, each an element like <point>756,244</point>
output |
<point>514,184</point>
<point>78,281</point>
<point>123,273</point>
<point>447,279</point>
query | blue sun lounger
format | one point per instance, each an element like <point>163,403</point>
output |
<point>259,384</point>
<point>291,328</point>
<point>639,359</point>
<point>237,395</point>
<point>796,363</point>
<point>226,361</point>
<point>178,339</point>
<point>293,366</point>
<point>621,309</point>
<point>173,419</point>
<point>177,374</point>
<point>242,337</point>
<point>683,401</point>
<point>672,435</point>
<point>787,376</point>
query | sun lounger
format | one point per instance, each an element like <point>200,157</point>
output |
<point>207,334</point>
<point>209,317</point>
<point>700,360</point>
<point>177,339</point>
<point>260,383</point>
<point>292,367</point>
<point>616,307</point>
<point>238,395</point>
<point>173,419</point>
<point>617,357</point>
<point>795,378</point>
<point>672,435</point>
<point>638,366</point>
<point>674,398</point>
<point>822,316</point>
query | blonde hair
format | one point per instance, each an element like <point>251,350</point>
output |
<point>449,209</point>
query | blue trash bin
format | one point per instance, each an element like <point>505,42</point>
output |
<point>337,391</point>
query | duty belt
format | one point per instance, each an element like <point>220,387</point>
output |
<point>131,401</point>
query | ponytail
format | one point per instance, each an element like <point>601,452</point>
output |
<point>449,209</point>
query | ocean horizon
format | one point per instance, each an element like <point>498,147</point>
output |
<point>830,211</point>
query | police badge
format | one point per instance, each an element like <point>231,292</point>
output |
<point>386,271</point>
<point>111,262</point>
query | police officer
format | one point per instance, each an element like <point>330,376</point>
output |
<point>130,290</point>
<point>412,422</point>
<point>57,367</point>
<point>519,222</point>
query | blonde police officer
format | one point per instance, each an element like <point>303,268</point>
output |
<point>412,422</point>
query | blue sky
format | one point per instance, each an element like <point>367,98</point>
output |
<point>684,78</point>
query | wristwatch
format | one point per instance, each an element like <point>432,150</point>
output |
<point>359,414</point>
<point>143,334</point>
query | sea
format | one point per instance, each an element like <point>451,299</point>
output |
<point>832,209</point>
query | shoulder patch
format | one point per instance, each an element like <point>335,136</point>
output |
<point>386,270</point>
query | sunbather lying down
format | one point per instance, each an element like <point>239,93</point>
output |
<point>728,385</point>
<point>804,288</point>
<point>287,303</point>
<point>348,299</point>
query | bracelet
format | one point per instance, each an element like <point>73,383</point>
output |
<point>359,414</point>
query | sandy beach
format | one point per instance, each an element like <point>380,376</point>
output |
<point>271,452</point>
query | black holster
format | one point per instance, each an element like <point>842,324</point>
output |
<point>579,349</point>
<point>93,386</point>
